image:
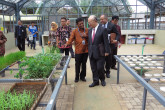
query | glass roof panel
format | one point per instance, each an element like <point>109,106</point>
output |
<point>114,6</point>
<point>13,1</point>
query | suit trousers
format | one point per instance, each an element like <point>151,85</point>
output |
<point>114,52</point>
<point>66,50</point>
<point>108,61</point>
<point>97,67</point>
<point>21,43</point>
<point>80,62</point>
<point>71,51</point>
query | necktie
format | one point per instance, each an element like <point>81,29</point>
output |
<point>93,36</point>
<point>19,32</point>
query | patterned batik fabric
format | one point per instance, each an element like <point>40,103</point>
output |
<point>52,37</point>
<point>2,45</point>
<point>63,34</point>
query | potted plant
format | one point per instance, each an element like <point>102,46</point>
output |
<point>9,59</point>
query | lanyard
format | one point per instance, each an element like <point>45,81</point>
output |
<point>79,31</point>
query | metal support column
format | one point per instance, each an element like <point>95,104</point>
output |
<point>146,22</point>
<point>152,15</point>
<point>66,82</point>
<point>144,99</point>
<point>78,12</point>
<point>164,64</point>
<point>13,24</point>
<point>160,17</point>
<point>138,24</point>
<point>10,25</point>
<point>67,12</point>
<point>118,71</point>
<point>17,15</point>
<point>42,21</point>
<point>128,23</point>
<point>3,19</point>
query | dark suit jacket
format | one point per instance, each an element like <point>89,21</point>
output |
<point>111,28</point>
<point>100,38</point>
<point>23,32</point>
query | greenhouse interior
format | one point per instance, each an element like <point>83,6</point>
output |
<point>82,55</point>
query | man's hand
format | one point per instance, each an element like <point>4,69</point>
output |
<point>114,41</point>
<point>65,45</point>
<point>106,54</point>
<point>84,35</point>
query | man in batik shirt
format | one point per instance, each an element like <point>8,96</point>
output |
<point>63,34</point>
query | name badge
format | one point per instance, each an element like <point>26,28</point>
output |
<point>67,39</point>
<point>83,42</point>
<point>109,36</point>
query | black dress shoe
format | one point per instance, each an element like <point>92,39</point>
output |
<point>94,84</point>
<point>114,68</point>
<point>107,75</point>
<point>73,56</point>
<point>103,83</point>
<point>76,80</point>
<point>83,79</point>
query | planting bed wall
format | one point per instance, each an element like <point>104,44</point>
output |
<point>37,88</point>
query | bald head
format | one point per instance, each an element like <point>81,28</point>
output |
<point>93,17</point>
<point>92,21</point>
<point>103,19</point>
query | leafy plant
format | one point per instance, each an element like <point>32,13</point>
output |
<point>39,66</point>
<point>11,58</point>
<point>52,49</point>
<point>143,71</point>
<point>14,101</point>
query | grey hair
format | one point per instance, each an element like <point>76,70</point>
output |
<point>93,17</point>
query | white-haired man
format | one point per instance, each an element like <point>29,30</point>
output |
<point>98,48</point>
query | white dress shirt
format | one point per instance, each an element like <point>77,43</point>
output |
<point>95,29</point>
<point>105,25</point>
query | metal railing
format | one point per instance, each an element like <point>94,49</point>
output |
<point>52,102</point>
<point>143,82</point>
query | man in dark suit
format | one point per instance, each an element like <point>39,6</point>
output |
<point>97,42</point>
<point>111,29</point>
<point>20,35</point>
<point>114,21</point>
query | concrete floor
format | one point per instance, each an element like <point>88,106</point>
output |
<point>100,98</point>
<point>103,98</point>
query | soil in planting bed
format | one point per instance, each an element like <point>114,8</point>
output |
<point>32,88</point>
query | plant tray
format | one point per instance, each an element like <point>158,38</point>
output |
<point>40,88</point>
<point>2,72</point>
<point>44,79</point>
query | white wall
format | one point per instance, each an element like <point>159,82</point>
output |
<point>10,44</point>
<point>159,35</point>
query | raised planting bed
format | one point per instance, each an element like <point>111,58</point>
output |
<point>9,60</point>
<point>38,68</point>
<point>23,96</point>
